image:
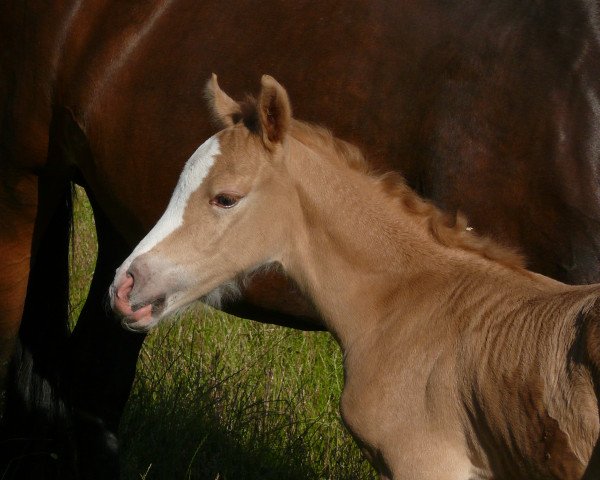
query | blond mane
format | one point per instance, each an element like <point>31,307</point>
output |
<point>448,230</point>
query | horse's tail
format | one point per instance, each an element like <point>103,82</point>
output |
<point>36,422</point>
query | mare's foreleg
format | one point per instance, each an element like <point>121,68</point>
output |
<point>101,363</point>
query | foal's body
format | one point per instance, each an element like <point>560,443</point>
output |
<point>458,362</point>
<point>469,383</point>
<point>448,355</point>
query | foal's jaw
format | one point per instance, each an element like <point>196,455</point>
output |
<point>142,309</point>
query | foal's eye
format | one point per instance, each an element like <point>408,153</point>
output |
<point>225,200</point>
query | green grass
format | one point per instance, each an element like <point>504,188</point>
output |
<point>217,397</point>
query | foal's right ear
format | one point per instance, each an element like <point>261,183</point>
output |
<point>224,109</point>
<point>274,111</point>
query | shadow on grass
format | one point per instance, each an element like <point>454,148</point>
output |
<point>191,445</point>
<point>192,416</point>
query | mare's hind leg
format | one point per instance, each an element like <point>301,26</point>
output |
<point>102,360</point>
<point>35,427</point>
<point>18,209</point>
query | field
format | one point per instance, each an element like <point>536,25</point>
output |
<point>216,397</point>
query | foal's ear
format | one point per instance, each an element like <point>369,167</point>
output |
<point>225,110</point>
<point>274,111</point>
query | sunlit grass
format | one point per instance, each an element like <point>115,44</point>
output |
<point>216,397</point>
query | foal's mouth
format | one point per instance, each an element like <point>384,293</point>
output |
<point>144,315</point>
<point>157,305</point>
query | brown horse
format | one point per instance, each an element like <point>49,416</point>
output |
<point>488,108</point>
<point>458,362</point>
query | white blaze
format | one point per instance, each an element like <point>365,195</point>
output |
<point>194,173</point>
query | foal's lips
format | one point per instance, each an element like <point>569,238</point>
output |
<point>135,317</point>
<point>121,296</point>
<point>139,320</point>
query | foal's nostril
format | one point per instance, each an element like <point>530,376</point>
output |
<point>138,272</point>
<point>130,281</point>
<point>125,288</point>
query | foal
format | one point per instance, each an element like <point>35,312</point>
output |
<point>459,363</point>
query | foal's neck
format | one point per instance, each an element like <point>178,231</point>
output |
<point>361,256</point>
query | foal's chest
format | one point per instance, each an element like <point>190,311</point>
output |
<point>396,412</point>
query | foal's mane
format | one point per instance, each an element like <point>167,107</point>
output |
<point>449,230</point>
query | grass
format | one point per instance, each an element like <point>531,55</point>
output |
<point>217,397</point>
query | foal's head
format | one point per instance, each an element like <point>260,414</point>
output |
<point>229,214</point>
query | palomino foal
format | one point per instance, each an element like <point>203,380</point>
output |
<point>459,363</point>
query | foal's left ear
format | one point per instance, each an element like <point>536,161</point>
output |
<point>225,110</point>
<point>274,111</point>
